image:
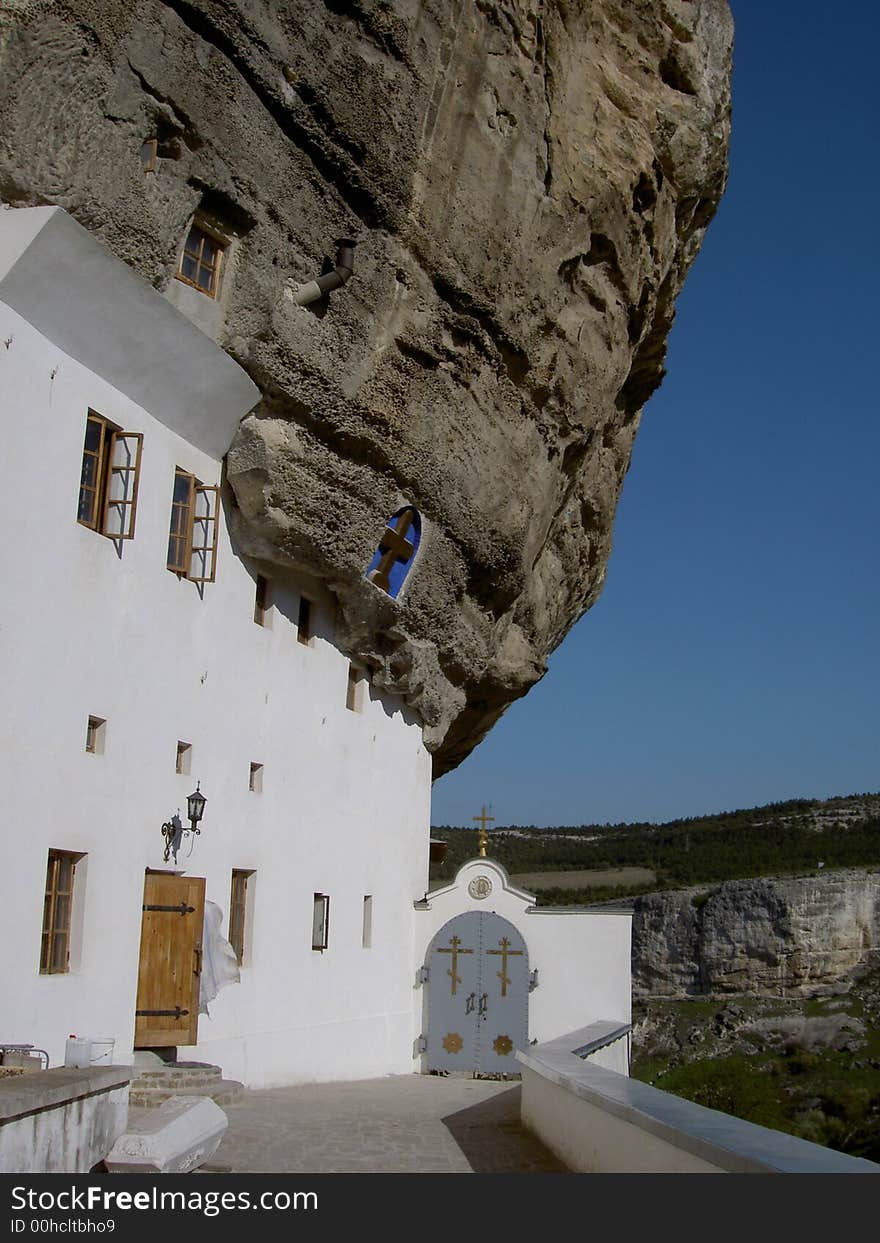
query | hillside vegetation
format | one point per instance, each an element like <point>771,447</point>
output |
<point>807,1067</point>
<point>776,839</point>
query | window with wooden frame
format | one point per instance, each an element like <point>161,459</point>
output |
<point>108,486</point>
<point>201,259</point>
<point>320,921</point>
<point>192,538</point>
<point>57,910</point>
<point>238,910</point>
<point>304,621</point>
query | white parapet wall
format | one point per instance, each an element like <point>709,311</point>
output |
<point>61,1121</point>
<point>599,1121</point>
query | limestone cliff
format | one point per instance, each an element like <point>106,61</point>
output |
<point>785,937</point>
<point>527,182</point>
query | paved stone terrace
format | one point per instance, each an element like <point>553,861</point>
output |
<point>408,1124</point>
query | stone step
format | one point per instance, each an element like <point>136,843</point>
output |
<point>167,1080</point>
<point>187,1074</point>
<point>222,1092</point>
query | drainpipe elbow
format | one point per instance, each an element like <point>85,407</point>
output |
<point>324,285</point>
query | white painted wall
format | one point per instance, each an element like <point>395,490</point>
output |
<point>344,807</point>
<point>583,957</point>
<point>61,1121</point>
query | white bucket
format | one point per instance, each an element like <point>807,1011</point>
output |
<point>78,1052</point>
<point>102,1050</point>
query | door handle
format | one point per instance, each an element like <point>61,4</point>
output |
<point>469,1004</point>
<point>197,960</point>
<point>484,1005</point>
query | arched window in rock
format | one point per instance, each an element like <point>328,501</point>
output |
<point>394,558</point>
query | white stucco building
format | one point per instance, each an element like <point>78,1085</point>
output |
<point>140,655</point>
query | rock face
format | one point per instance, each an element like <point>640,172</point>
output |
<point>784,937</point>
<point>527,182</point>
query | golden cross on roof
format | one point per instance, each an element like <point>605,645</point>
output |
<point>484,819</point>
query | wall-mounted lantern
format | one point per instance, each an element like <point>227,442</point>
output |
<point>173,830</point>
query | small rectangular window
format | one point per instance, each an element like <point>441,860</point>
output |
<point>320,921</point>
<point>367,934</point>
<point>238,910</point>
<point>95,730</point>
<point>184,758</point>
<point>192,536</point>
<point>108,486</point>
<point>261,601</point>
<point>255,782</point>
<point>200,259</point>
<point>353,690</point>
<point>304,621</point>
<point>57,907</point>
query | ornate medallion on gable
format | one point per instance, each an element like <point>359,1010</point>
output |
<point>393,559</point>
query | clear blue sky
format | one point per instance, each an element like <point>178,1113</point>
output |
<point>733,656</point>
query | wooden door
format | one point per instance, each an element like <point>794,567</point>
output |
<point>167,1008</point>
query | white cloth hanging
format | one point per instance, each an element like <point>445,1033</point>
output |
<point>219,962</point>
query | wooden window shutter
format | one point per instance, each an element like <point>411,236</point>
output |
<point>57,911</point>
<point>237,911</point>
<point>205,530</point>
<point>91,479</point>
<point>123,476</point>
<point>180,534</point>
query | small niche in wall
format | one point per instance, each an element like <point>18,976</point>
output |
<point>353,690</point>
<point>183,763</point>
<point>150,155</point>
<point>304,622</point>
<point>96,729</point>
<point>255,780</point>
<point>262,612</point>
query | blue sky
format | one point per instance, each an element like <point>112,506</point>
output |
<point>732,658</point>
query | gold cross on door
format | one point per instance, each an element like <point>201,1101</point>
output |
<point>454,951</point>
<point>505,952</point>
